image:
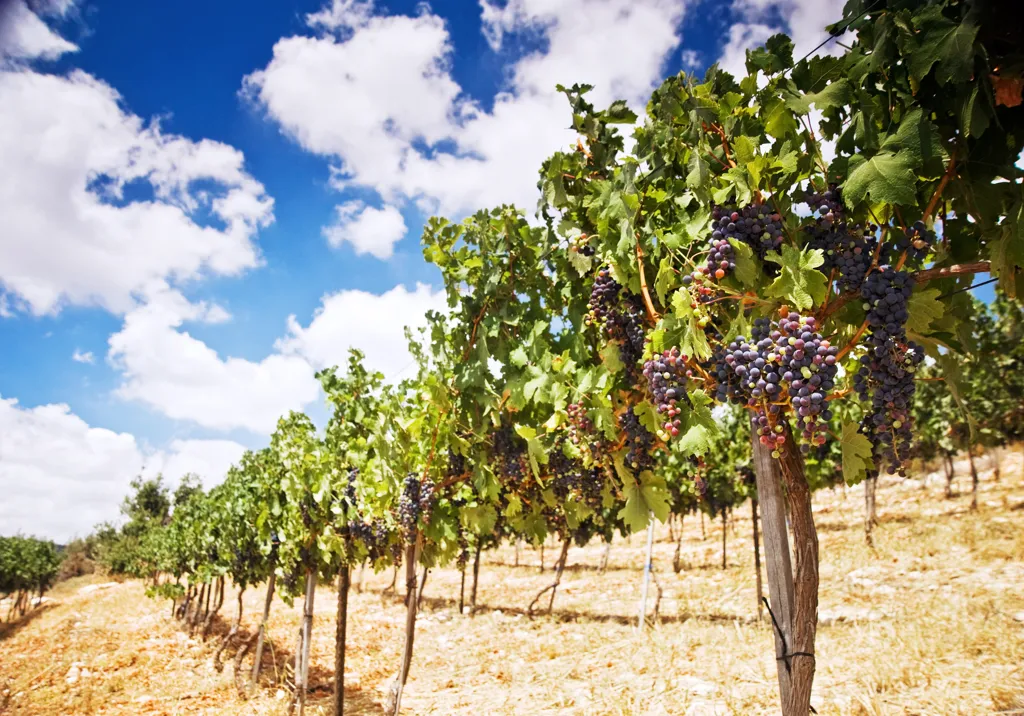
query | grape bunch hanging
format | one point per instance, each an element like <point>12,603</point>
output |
<point>785,366</point>
<point>886,372</point>
<point>409,506</point>
<point>580,425</point>
<point>756,225</point>
<point>621,318</point>
<point>666,382</point>
<point>639,442</point>
<point>508,451</point>
<point>849,250</point>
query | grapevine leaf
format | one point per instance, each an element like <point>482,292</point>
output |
<point>695,441</point>
<point>856,449</point>
<point>636,512</point>
<point>748,271</point>
<point>655,495</point>
<point>955,382</point>
<point>836,94</point>
<point>946,43</point>
<point>582,264</point>
<point>774,57</point>
<point>923,309</point>
<point>886,177</point>
<point>693,341</point>
<point>646,415</point>
<point>666,279</point>
<point>798,281</point>
<point>700,173</point>
<point>610,356</point>
<point>519,357</point>
<point>1007,254</point>
<point>778,120</point>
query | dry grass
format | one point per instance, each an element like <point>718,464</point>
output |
<point>929,628</point>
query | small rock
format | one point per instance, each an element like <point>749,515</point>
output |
<point>144,699</point>
<point>279,694</point>
<point>73,674</point>
<point>1018,617</point>
<point>703,707</point>
<point>89,589</point>
<point>696,686</point>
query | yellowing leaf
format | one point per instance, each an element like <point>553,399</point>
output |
<point>856,450</point>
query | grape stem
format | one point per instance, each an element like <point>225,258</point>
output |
<point>643,282</point>
<point>919,277</point>
<point>933,203</point>
<point>717,129</point>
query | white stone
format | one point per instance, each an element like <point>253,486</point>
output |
<point>1018,617</point>
<point>89,589</point>
<point>696,686</point>
<point>279,694</point>
<point>144,699</point>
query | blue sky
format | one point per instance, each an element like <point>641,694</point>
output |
<point>205,202</point>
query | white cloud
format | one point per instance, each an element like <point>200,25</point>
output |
<point>83,357</point>
<point>369,230</point>
<point>743,37</point>
<point>72,231</point>
<point>691,59</point>
<point>377,97</point>
<point>372,323</point>
<point>62,476</point>
<point>183,378</point>
<point>803,20</point>
<point>24,35</point>
<point>209,459</point>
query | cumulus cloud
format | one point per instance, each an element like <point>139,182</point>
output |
<point>369,230</point>
<point>374,94</point>
<point>803,20</point>
<point>180,376</point>
<point>25,36</point>
<point>183,378</point>
<point>375,324</point>
<point>104,204</point>
<point>83,356</point>
<point>62,476</point>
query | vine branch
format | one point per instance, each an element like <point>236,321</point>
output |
<point>933,203</point>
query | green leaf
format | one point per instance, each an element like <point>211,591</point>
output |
<point>646,415</point>
<point>955,382</point>
<point>886,178</point>
<point>699,174</point>
<point>518,357</point>
<point>798,281</point>
<point>923,309</point>
<point>611,358</point>
<point>774,57</point>
<point>856,450</point>
<point>583,264</point>
<point>748,270</point>
<point>692,340</point>
<point>945,43</point>
<point>636,512</point>
<point>836,94</point>
<point>778,120</point>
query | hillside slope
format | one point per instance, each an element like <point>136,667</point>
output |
<point>929,622</point>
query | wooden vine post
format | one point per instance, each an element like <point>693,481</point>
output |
<point>258,657</point>
<point>647,573</point>
<point>757,558</point>
<point>412,554</point>
<point>776,550</point>
<point>344,580</point>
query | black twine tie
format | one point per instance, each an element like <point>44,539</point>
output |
<point>786,653</point>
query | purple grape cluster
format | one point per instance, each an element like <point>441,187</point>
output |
<point>621,319</point>
<point>886,373</point>
<point>409,506</point>
<point>721,256</point>
<point>456,464</point>
<point>666,382</point>
<point>350,487</point>
<point>639,441</point>
<point>373,535</point>
<point>783,364</point>
<point>604,298</point>
<point>508,450</point>
<point>849,249</point>
<point>756,225</point>
<point>916,241</point>
<point>580,425</point>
